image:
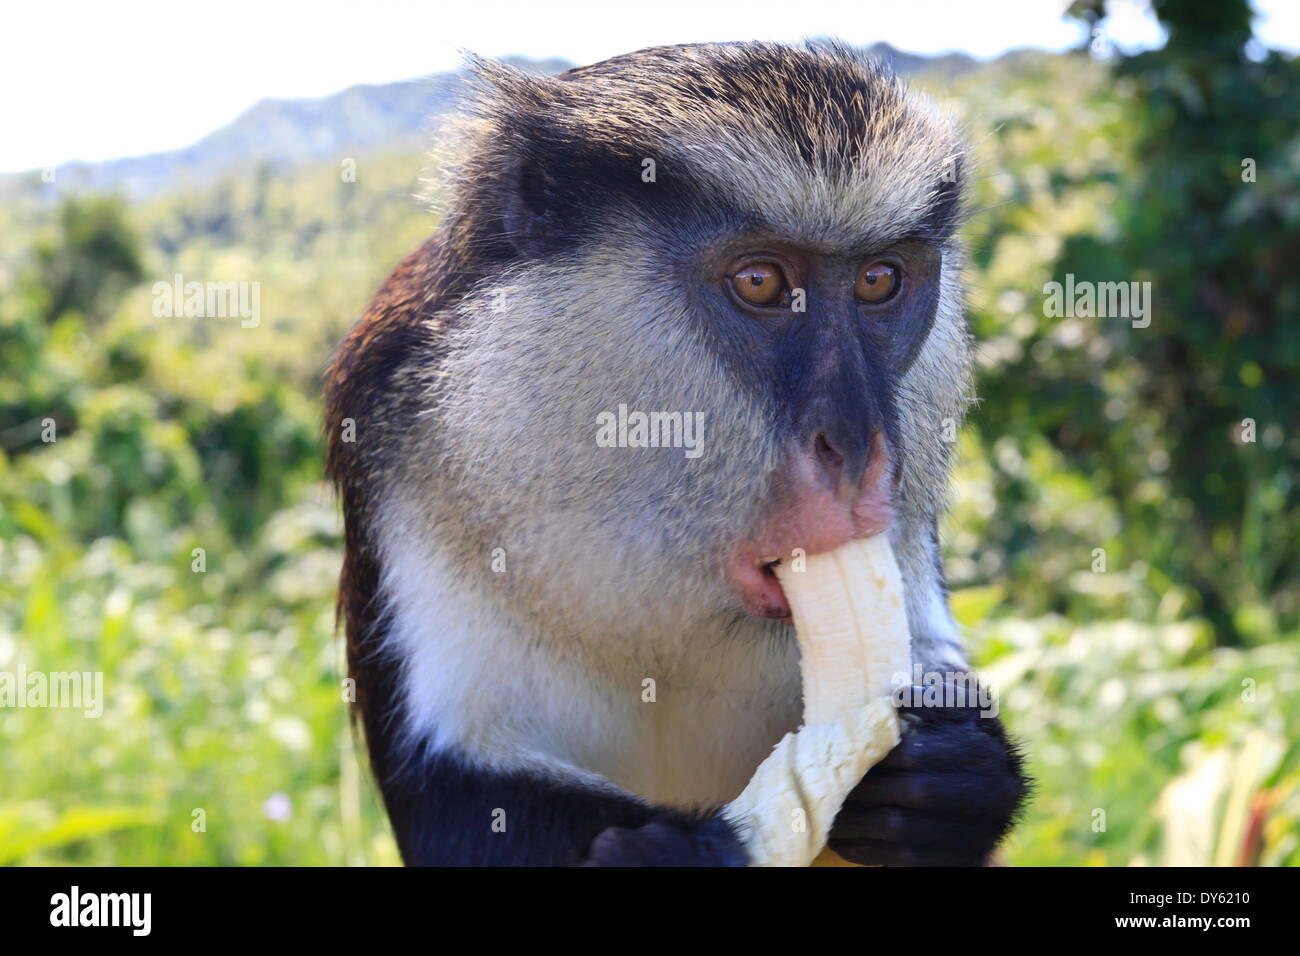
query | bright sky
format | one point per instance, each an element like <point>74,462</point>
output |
<point>93,80</point>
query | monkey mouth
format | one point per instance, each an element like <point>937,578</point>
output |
<point>751,567</point>
<point>760,591</point>
<point>813,510</point>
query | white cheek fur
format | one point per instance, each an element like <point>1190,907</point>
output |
<point>501,694</point>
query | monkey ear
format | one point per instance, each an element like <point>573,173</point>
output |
<point>945,206</point>
<point>527,195</point>
<point>530,201</point>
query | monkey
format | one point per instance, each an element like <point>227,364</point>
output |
<point>566,653</point>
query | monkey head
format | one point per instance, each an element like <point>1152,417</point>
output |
<point>756,238</point>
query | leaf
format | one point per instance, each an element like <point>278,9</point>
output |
<point>970,606</point>
<point>31,827</point>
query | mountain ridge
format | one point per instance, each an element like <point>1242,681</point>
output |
<point>284,133</point>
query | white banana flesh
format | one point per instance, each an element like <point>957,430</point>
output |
<point>851,621</point>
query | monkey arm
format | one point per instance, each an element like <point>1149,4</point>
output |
<point>955,784</point>
<point>948,791</point>
<point>945,796</point>
<point>446,812</point>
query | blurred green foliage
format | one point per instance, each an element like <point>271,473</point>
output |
<point>1211,217</point>
<point>176,534</point>
<point>91,260</point>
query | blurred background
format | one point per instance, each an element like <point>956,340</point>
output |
<point>1123,547</point>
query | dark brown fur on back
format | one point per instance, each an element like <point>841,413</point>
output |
<point>359,386</point>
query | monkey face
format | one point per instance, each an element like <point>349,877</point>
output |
<point>824,339</point>
<point>786,276</point>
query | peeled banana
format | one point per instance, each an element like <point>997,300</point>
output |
<point>851,621</point>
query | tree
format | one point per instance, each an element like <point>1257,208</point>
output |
<point>93,259</point>
<point>1212,220</point>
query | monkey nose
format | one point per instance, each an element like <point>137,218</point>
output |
<point>828,457</point>
<point>849,466</point>
<point>840,480</point>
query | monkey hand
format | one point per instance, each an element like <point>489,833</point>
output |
<point>668,840</point>
<point>945,796</point>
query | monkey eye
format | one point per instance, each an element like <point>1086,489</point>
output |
<point>759,283</point>
<point>877,283</point>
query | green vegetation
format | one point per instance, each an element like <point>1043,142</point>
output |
<point>222,687</point>
<point>177,536</point>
